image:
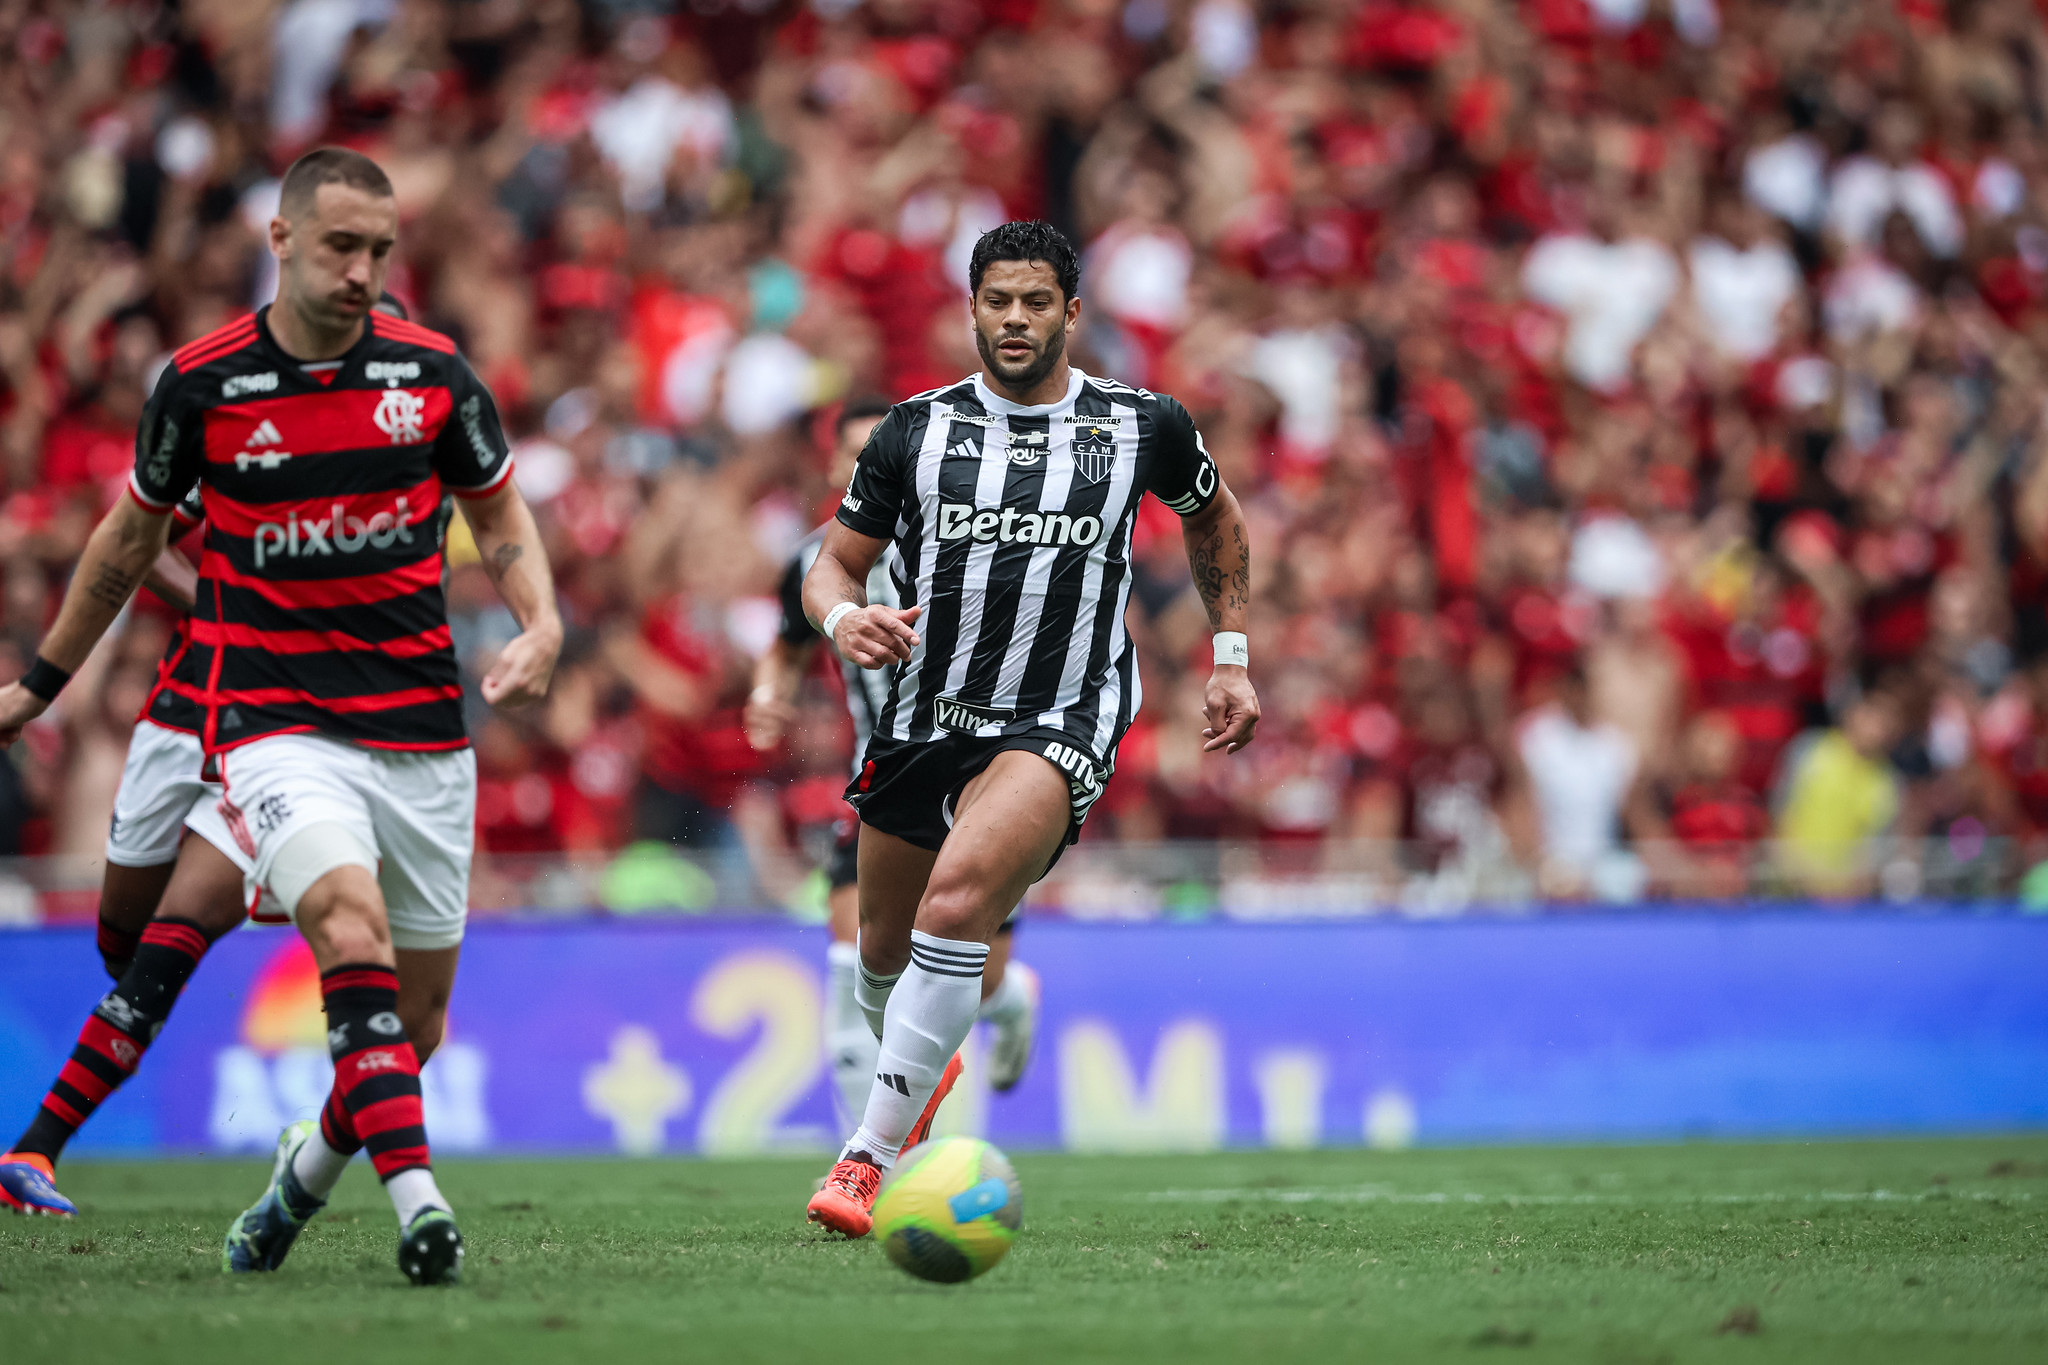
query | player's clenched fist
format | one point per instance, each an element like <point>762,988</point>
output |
<point>875,637</point>
<point>18,706</point>
<point>1232,709</point>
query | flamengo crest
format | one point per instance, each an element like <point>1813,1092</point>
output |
<point>401,416</point>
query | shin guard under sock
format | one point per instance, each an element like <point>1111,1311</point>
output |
<point>376,1095</point>
<point>120,1028</point>
<point>929,1017</point>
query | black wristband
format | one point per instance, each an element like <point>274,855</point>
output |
<point>44,679</point>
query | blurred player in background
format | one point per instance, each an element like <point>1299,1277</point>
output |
<point>853,1037</point>
<point>324,435</point>
<point>1010,499</point>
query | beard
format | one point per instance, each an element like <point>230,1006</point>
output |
<point>1037,368</point>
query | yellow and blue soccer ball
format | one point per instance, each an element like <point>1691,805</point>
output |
<point>950,1209</point>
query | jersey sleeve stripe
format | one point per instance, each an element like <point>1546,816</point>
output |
<point>215,344</point>
<point>318,641</point>
<point>153,506</point>
<point>411,333</point>
<point>329,592</point>
<point>484,490</point>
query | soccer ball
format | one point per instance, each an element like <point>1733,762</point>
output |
<point>950,1209</point>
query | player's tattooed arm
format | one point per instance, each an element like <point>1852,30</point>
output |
<point>509,544</point>
<point>117,554</point>
<point>1220,557</point>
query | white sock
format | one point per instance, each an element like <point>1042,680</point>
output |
<point>1010,998</point>
<point>871,992</point>
<point>850,1046</point>
<point>411,1191</point>
<point>929,1017</point>
<point>316,1166</point>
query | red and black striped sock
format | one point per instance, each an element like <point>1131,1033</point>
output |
<point>120,1028</point>
<point>117,949</point>
<point>376,1097</point>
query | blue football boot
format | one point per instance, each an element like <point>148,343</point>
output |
<point>262,1237</point>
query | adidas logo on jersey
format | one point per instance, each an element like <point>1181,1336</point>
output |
<point>252,451</point>
<point>1014,526</point>
<point>336,533</point>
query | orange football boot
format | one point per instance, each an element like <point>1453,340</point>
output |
<point>847,1201</point>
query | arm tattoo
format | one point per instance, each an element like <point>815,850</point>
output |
<point>1221,586</point>
<point>1209,575</point>
<point>503,558</point>
<point>112,587</point>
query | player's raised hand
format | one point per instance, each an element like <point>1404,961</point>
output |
<point>520,675</point>
<point>18,706</point>
<point>1232,709</point>
<point>875,637</point>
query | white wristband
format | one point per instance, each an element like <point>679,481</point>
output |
<point>1233,648</point>
<point>834,617</point>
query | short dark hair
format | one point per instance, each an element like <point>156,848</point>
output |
<point>866,405</point>
<point>1027,240</point>
<point>329,166</point>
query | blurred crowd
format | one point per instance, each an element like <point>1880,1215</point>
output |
<point>1638,404</point>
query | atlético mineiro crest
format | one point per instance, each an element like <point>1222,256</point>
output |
<point>1094,452</point>
<point>401,415</point>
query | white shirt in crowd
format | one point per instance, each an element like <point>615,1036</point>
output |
<point>1788,179</point>
<point>1611,294</point>
<point>1580,776</point>
<point>1865,191</point>
<point>1741,294</point>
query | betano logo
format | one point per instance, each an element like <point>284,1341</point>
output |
<point>336,532</point>
<point>1014,526</point>
<point>279,1069</point>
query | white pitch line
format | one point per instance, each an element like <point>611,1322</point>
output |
<point>1379,1195</point>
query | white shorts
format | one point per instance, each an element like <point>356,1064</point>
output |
<point>160,786</point>
<point>414,813</point>
<point>160,797</point>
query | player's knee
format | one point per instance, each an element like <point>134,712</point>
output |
<point>954,908</point>
<point>424,1021</point>
<point>342,916</point>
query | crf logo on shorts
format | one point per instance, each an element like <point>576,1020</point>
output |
<point>377,1061</point>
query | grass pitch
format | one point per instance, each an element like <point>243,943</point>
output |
<point>1866,1252</point>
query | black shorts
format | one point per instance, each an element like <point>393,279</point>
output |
<point>908,788</point>
<point>842,866</point>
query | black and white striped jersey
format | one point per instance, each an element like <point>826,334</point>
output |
<point>1013,525</point>
<point>867,689</point>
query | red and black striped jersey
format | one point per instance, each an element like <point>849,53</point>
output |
<point>320,604</point>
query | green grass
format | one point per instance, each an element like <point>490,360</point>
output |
<point>1871,1252</point>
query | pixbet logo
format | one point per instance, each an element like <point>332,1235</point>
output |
<point>1014,526</point>
<point>303,536</point>
<point>401,415</point>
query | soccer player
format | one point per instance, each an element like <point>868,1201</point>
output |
<point>1011,499</point>
<point>852,1037</point>
<point>163,789</point>
<point>323,436</point>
